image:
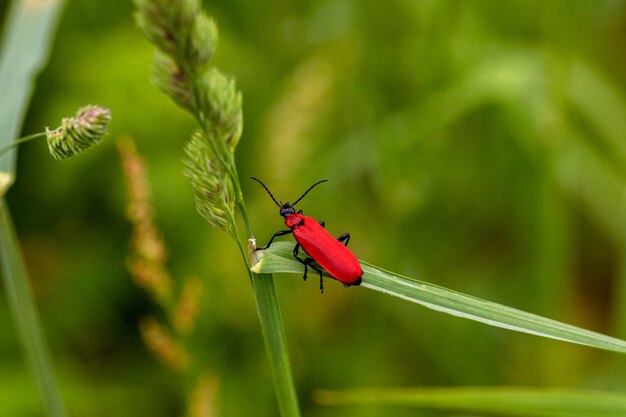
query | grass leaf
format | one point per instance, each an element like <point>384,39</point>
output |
<point>279,258</point>
<point>275,343</point>
<point>24,50</point>
<point>503,401</point>
<point>25,316</point>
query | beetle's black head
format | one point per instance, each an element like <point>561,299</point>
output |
<point>286,209</point>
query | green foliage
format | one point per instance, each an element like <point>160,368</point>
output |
<point>475,144</point>
<point>503,401</point>
<point>279,258</point>
<point>27,28</point>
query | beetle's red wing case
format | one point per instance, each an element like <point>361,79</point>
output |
<point>328,252</point>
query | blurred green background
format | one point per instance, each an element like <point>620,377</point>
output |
<point>476,145</point>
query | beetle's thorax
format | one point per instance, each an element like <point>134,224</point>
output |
<point>294,220</point>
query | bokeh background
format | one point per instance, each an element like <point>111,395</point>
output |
<point>476,145</point>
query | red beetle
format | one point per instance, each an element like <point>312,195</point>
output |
<point>320,246</point>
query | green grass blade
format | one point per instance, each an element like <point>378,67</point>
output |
<point>275,343</point>
<point>279,258</point>
<point>502,401</point>
<point>25,316</point>
<point>24,50</point>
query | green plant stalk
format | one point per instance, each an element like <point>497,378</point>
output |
<point>263,286</point>
<point>275,343</point>
<point>505,401</point>
<point>268,307</point>
<point>279,258</point>
<point>25,316</point>
<point>241,203</point>
<point>272,328</point>
<point>270,318</point>
<point>4,149</point>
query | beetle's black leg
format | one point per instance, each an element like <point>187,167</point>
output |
<point>322,223</point>
<point>346,237</point>
<point>307,263</point>
<point>299,211</point>
<point>296,249</point>
<point>321,279</point>
<point>279,233</point>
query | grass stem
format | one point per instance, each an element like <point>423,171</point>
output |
<point>275,343</point>
<point>25,316</point>
<point>4,149</point>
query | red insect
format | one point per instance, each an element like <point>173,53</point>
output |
<point>320,246</point>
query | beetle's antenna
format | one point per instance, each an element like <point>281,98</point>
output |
<point>268,191</point>
<point>307,191</point>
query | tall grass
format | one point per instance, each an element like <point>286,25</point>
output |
<point>26,41</point>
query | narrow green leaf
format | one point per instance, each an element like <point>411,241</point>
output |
<point>275,343</point>
<point>24,50</point>
<point>504,401</point>
<point>25,316</point>
<point>279,258</point>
